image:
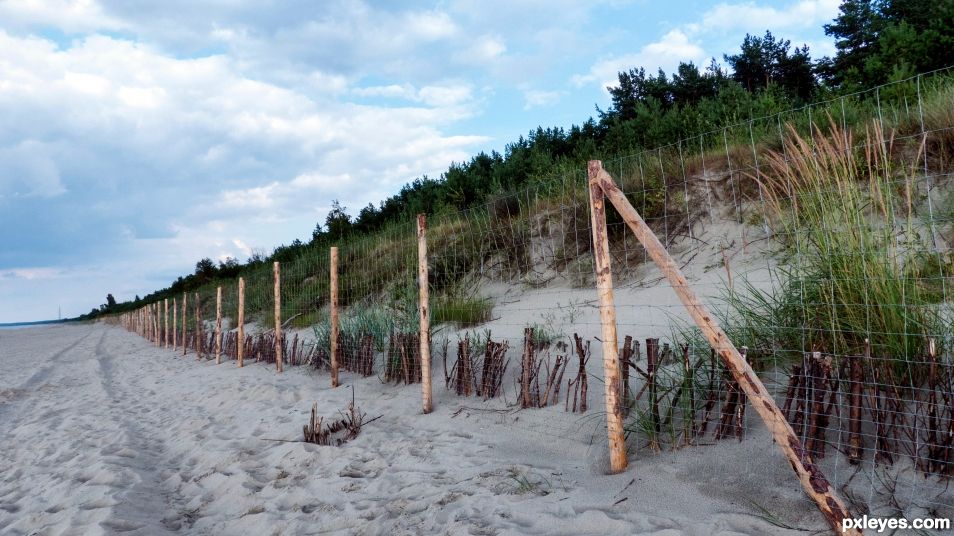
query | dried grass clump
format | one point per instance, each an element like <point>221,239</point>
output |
<point>336,432</point>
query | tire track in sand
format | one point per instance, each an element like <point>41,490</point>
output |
<point>144,506</point>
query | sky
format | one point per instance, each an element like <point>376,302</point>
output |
<point>137,137</point>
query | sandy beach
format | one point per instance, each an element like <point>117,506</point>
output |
<point>105,434</point>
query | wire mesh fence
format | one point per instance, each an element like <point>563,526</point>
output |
<point>819,237</point>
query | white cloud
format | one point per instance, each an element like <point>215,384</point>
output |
<point>392,91</point>
<point>685,42</point>
<point>754,17</point>
<point>193,157</point>
<point>536,98</point>
<point>485,49</point>
<point>666,53</point>
<point>441,96</point>
<point>69,15</point>
<point>447,95</point>
<point>242,246</point>
<point>29,169</point>
<point>31,274</point>
<point>328,83</point>
<point>430,25</point>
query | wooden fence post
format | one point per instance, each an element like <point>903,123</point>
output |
<point>175,325</point>
<point>218,325</point>
<point>333,342</point>
<point>604,289</point>
<point>165,319</point>
<point>813,481</point>
<point>185,296</point>
<point>278,317</point>
<point>424,310</point>
<point>199,329</point>
<point>241,322</point>
<point>157,324</point>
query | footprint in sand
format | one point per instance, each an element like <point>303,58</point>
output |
<point>364,468</point>
<point>10,508</point>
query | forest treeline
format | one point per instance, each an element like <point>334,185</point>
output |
<point>876,42</point>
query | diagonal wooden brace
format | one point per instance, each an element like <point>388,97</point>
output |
<point>813,481</point>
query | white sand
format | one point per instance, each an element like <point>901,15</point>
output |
<point>104,434</point>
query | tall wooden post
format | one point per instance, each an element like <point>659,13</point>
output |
<point>241,322</point>
<point>199,331</point>
<point>813,481</point>
<point>333,342</point>
<point>604,289</point>
<point>218,325</point>
<point>157,324</point>
<point>184,324</point>
<point>175,325</point>
<point>165,319</point>
<point>278,317</point>
<point>424,310</point>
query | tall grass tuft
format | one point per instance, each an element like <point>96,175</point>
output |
<point>848,218</point>
<point>354,324</point>
<point>464,311</point>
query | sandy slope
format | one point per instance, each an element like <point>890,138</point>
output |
<point>104,434</point>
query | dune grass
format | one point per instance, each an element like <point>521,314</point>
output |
<point>463,311</point>
<point>857,261</point>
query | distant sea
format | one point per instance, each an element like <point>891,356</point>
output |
<point>18,325</point>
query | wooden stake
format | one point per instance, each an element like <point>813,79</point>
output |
<point>199,332</point>
<point>218,325</point>
<point>526,368</point>
<point>604,288</point>
<point>185,296</point>
<point>278,317</point>
<point>333,343</point>
<point>424,310</point>
<point>165,318</point>
<point>652,364</point>
<point>240,353</point>
<point>813,481</point>
<point>175,325</point>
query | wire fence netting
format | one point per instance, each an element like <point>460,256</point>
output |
<point>819,237</point>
